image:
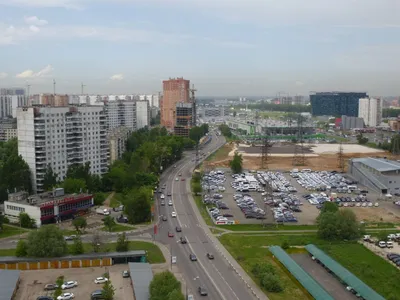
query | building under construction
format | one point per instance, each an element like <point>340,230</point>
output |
<point>184,117</point>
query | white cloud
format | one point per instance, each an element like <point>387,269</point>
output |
<point>68,4</point>
<point>3,75</point>
<point>33,20</point>
<point>31,74</point>
<point>117,77</point>
<point>34,28</point>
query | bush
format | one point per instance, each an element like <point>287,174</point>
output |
<point>285,245</point>
<point>260,269</point>
<point>22,249</point>
<point>271,283</point>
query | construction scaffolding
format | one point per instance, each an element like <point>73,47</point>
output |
<point>299,158</point>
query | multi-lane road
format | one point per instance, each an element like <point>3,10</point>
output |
<point>216,275</point>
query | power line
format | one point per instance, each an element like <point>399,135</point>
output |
<point>341,164</point>
<point>265,151</point>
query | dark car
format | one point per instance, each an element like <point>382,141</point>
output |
<point>164,218</point>
<point>162,203</point>
<point>169,194</point>
<point>202,291</point>
<point>210,256</point>
<point>97,295</point>
<point>44,298</point>
<point>178,229</point>
<point>183,240</point>
<point>192,257</point>
<point>122,220</point>
<point>50,287</point>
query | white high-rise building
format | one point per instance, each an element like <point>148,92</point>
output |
<point>370,109</point>
<point>142,114</point>
<point>120,113</point>
<point>60,137</point>
<point>9,104</point>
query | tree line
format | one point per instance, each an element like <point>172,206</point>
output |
<point>264,106</point>
<point>165,286</point>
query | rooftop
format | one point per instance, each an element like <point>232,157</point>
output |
<point>8,281</point>
<point>379,164</point>
<point>141,276</point>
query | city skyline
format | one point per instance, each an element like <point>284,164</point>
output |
<point>224,47</point>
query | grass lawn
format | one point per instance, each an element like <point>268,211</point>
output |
<point>220,154</point>
<point>154,254</point>
<point>116,200</point>
<point>375,271</point>
<point>259,227</point>
<point>8,231</point>
<point>216,231</point>
<point>119,228</point>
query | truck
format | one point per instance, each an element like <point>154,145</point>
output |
<point>103,211</point>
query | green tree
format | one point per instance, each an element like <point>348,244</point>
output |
<point>96,243</point>
<point>327,226</point>
<point>108,291</point>
<point>162,285</point>
<point>26,221</point>
<point>80,224</point>
<point>2,221</point>
<point>225,130</point>
<point>72,185</point>
<point>361,139</point>
<point>99,198</point>
<point>49,179</point>
<point>176,295</point>
<point>122,243</point>
<point>236,163</point>
<point>261,268</point>
<point>271,283</point>
<point>138,206</point>
<point>196,188</point>
<point>77,246</point>
<point>22,249</point>
<point>394,146</point>
<point>109,222</point>
<point>47,241</point>
<point>79,171</point>
<point>196,133</point>
<point>329,207</point>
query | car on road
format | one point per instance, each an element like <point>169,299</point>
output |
<point>183,240</point>
<point>170,202</point>
<point>176,179</point>
<point>169,194</point>
<point>210,256</point>
<point>178,229</point>
<point>70,237</point>
<point>126,274</point>
<point>180,174</point>
<point>69,285</point>
<point>173,214</point>
<point>44,298</point>
<point>202,291</point>
<point>190,297</point>
<point>50,287</point>
<point>183,179</point>
<point>175,166</point>
<point>99,280</point>
<point>66,296</point>
<point>173,259</point>
<point>164,218</point>
<point>162,203</point>
<point>193,257</point>
<point>170,234</point>
<point>162,196</point>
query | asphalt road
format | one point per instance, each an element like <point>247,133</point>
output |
<point>215,275</point>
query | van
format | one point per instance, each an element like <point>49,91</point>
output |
<point>352,187</point>
<point>389,244</point>
<point>382,244</point>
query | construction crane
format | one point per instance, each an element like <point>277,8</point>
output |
<point>54,87</point>
<point>82,87</point>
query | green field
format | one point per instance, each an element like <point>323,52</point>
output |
<point>154,254</point>
<point>119,228</point>
<point>260,227</point>
<point>372,269</point>
<point>8,231</point>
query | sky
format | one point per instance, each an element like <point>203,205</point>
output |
<point>225,47</point>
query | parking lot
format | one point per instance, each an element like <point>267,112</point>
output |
<point>323,277</point>
<point>33,282</point>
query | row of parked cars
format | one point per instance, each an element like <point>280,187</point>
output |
<point>284,205</point>
<point>395,258</point>
<point>277,181</point>
<point>249,206</point>
<point>322,181</point>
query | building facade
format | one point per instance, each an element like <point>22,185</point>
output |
<point>50,99</point>
<point>60,137</point>
<point>348,123</point>
<point>184,119</point>
<point>370,109</point>
<point>335,103</point>
<point>13,91</point>
<point>379,174</point>
<point>9,104</point>
<point>8,129</point>
<point>48,207</point>
<point>120,113</point>
<point>214,112</point>
<point>142,114</point>
<point>174,90</point>
<point>117,139</point>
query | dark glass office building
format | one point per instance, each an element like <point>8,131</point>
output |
<point>335,103</point>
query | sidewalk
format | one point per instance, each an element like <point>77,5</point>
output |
<point>258,294</point>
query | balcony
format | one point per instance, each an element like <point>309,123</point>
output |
<point>40,144</point>
<point>40,150</point>
<point>40,133</point>
<point>39,127</point>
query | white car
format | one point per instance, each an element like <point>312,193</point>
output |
<point>176,179</point>
<point>100,280</point>
<point>173,214</point>
<point>170,202</point>
<point>69,285</point>
<point>162,196</point>
<point>66,296</point>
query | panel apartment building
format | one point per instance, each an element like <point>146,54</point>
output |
<point>60,137</point>
<point>370,109</point>
<point>174,90</point>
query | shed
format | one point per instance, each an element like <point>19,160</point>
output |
<point>141,276</point>
<point>9,280</point>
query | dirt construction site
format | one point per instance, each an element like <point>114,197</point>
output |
<point>318,157</point>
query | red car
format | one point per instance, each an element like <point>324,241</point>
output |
<point>170,234</point>
<point>183,179</point>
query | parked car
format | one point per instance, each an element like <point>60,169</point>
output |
<point>70,237</point>
<point>69,285</point>
<point>44,298</point>
<point>99,280</point>
<point>126,274</point>
<point>97,295</point>
<point>66,296</point>
<point>50,287</point>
